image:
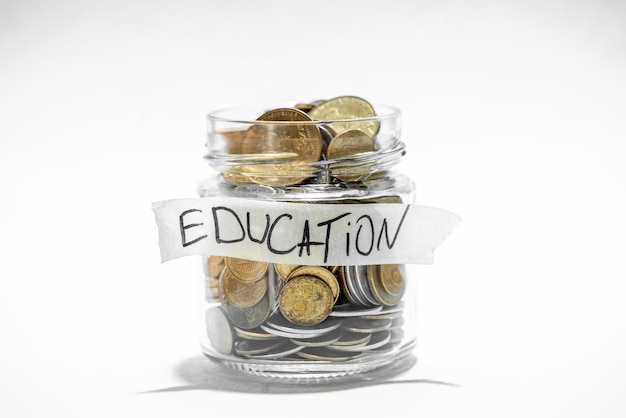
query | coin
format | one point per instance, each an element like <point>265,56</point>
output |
<point>287,334</point>
<point>284,270</point>
<point>301,144</point>
<point>246,270</point>
<point>305,300</point>
<point>378,340</point>
<point>348,287</point>
<point>251,317</point>
<point>232,140</point>
<point>254,334</point>
<point>348,153</point>
<point>325,354</point>
<point>350,310</point>
<point>353,339</point>
<point>215,265</point>
<point>287,348</point>
<point>392,278</point>
<point>321,273</point>
<point>391,316</point>
<point>362,284</point>
<point>241,294</point>
<point>281,323</point>
<point>356,346</point>
<point>306,106</point>
<point>379,292</point>
<point>353,290</point>
<point>366,325</point>
<point>250,347</point>
<point>347,107</point>
<point>219,330</point>
<point>320,340</point>
<point>235,178</point>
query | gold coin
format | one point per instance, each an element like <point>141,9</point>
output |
<point>284,270</point>
<point>241,294</point>
<point>344,108</point>
<point>382,199</point>
<point>299,143</point>
<point>321,273</point>
<point>305,300</point>
<point>232,140</point>
<point>333,269</point>
<point>236,178</point>
<point>215,265</point>
<point>347,146</point>
<point>391,278</point>
<point>378,291</point>
<point>246,270</point>
<point>306,106</point>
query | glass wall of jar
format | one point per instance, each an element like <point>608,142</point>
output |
<point>299,320</point>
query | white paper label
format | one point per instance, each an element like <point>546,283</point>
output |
<point>301,233</point>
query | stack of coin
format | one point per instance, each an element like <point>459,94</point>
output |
<point>374,284</point>
<point>322,140</point>
<point>213,268</point>
<point>280,311</point>
<point>244,291</point>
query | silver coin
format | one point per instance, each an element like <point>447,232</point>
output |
<point>351,347</point>
<point>290,335</point>
<point>350,281</point>
<point>325,354</point>
<point>320,340</point>
<point>281,323</point>
<point>396,308</point>
<point>285,349</point>
<point>367,325</point>
<point>219,330</point>
<point>362,283</point>
<point>381,315</point>
<point>352,339</point>
<point>256,334</point>
<point>348,310</point>
<point>378,340</point>
<point>275,284</point>
<point>250,348</point>
<point>347,291</point>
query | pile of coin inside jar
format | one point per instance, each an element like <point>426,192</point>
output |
<point>289,147</point>
<point>279,311</point>
<point>275,311</point>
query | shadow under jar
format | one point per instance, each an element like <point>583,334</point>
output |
<point>305,319</point>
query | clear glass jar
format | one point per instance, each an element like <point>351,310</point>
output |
<point>303,320</point>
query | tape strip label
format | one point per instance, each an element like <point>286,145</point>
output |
<point>301,233</point>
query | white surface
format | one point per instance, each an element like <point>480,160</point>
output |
<point>514,120</point>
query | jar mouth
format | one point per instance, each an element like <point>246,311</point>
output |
<point>284,146</point>
<point>248,114</point>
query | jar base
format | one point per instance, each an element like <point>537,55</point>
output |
<point>386,364</point>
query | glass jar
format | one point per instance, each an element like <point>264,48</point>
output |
<point>296,315</point>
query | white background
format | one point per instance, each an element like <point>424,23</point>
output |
<point>514,119</point>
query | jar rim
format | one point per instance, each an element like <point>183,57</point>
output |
<point>235,114</point>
